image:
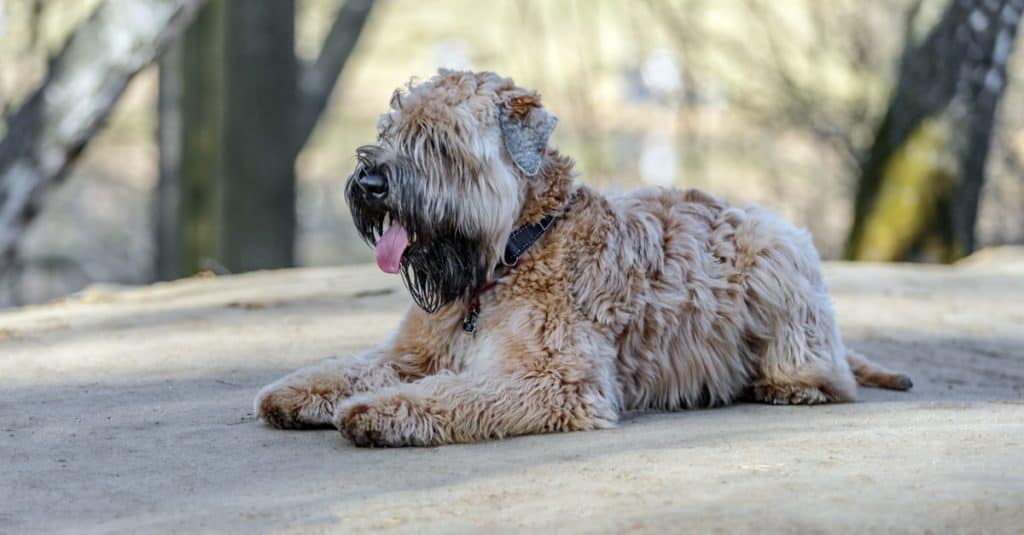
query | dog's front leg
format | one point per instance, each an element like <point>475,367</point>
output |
<point>444,409</point>
<point>307,397</point>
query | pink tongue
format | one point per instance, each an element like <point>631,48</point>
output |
<point>390,247</point>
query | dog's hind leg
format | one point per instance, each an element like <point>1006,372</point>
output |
<point>816,381</point>
<point>804,366</point>
<point>792,328</point>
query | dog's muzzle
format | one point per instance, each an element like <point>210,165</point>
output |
<point>438,261</point>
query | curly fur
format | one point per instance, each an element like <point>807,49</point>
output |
<point>653,299</point>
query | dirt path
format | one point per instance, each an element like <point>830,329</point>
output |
<point>130,409</point>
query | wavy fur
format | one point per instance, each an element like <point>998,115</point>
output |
<point>653,299</point>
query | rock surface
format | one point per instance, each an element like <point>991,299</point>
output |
<point>130,409</point>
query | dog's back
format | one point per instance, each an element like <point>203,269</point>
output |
<point>709,301</point>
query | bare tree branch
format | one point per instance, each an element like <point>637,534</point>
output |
<point>317,81</point>
<point>46,135</point>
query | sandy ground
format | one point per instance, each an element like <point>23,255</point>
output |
<point>127,410</point>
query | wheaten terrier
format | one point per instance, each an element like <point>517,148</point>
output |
<point>542,305</point>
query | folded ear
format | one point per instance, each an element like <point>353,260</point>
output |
<point>526,127</point>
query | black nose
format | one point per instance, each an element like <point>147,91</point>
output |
<point>373,185</point>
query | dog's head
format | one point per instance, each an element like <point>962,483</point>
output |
<point>439,192</point>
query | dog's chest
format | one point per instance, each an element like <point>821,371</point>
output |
<point>499,335</point>
<point>478,351</point>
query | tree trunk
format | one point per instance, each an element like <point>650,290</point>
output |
<point>918,195</point>
<point>227,188</point>
<point>259,155</point>
<point>190,106</point>
<point>169,240</point>
<point>253,114</point>
<point>48,132</point>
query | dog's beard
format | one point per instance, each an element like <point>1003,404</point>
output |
<point>442,269</point>
<point>440,264</point>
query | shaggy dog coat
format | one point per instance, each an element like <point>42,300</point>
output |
<point>653,299</point>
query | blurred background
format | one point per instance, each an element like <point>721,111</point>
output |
<point>147,140</point>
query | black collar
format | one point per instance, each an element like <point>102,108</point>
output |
<point>518,242</point>
<point>522,238</point>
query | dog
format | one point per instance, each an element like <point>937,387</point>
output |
<point>541,305</point>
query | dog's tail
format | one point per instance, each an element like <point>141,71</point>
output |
<point>870,374</point>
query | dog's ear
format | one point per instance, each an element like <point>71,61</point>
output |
<point>526,127</point>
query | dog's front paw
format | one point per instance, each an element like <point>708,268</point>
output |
<point>388,422</point>
<point>292,407</point>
